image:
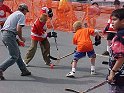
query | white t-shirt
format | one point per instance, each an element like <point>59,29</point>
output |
<point>16,18</point>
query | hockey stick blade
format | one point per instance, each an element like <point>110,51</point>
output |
<point>96,86</point>
<point>53,58</point>
<point>88,90</point>
<point>105,62</point>
<point>71,90</point>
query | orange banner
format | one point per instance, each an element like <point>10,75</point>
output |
<point>65,13</point>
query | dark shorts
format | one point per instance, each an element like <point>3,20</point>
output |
<point>78,55</point>
<point>110,36</point>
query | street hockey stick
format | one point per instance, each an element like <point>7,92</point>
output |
<point>55,40</point>
<point>105,62</point>
<point>96,86</point>
<point>88,90</point>
<point>54,31</point>
<point>66,55</point>
<point>58,60</point>
<point>72,90</point>
<point>54,58</point>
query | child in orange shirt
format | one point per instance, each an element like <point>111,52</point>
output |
<point>83,45</point>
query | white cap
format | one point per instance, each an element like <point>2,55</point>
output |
<point>44,10</point>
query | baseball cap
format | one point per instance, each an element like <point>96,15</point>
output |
<point>44,10</point>
<point>24,6</point>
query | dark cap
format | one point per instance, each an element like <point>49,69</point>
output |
<point>23,6</point>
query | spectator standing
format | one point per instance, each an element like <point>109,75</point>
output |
<point>110,29</point>
<point>3,10</point>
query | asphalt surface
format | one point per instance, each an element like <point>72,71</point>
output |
<point>46,80</point>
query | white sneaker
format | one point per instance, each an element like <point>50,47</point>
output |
<point>70,74</point>
<point>93,72</point>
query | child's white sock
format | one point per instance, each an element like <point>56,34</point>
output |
<point>108,48</point>
<point>92,68</point>
<point>93,72</point>
<point>73,69</point>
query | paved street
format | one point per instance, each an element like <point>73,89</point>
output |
<point>46,80</point>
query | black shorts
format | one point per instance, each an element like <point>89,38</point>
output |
<point>110,36</point>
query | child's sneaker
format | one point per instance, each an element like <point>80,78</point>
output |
<point>70,74</point>
<point>93,72</point>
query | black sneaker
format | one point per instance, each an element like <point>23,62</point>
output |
<point>106,53</point>
<point>1,75</point>
<point>26,73</point>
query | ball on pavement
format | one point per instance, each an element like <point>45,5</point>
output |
<point>51,66</point>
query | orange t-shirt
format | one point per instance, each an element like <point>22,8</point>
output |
<point>82,39</point>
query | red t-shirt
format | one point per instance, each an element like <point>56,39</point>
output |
<point>3,10</point>
<point>38,31</point>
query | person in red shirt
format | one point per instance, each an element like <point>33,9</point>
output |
<point>39,35</point>
<point>109,30</point>
<point>3,10</point>
<point>92,12</point>
<point>84,46</point>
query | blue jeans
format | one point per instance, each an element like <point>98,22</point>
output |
<point>9,39</point>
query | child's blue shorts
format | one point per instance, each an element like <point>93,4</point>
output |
<point>78,55</point>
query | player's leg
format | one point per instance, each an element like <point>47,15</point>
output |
<point>31,52</point>
<point>92,56</point>
<point>77,56</point>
